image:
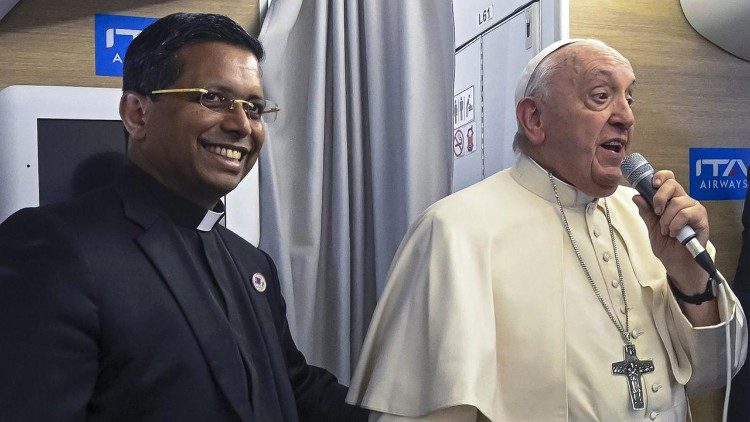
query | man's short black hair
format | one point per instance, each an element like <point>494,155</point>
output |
<point>151,61</point>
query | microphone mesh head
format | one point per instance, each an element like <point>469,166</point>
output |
<point>634,167</point>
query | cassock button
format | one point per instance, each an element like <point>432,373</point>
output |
<point>653,415</point>
<point>634,334</point>
<point>259,282</point>
<point>590,208</point>
<point>655,387</point>
<point>597,232</point>
<point>606,256</point>
<point>615,283</point>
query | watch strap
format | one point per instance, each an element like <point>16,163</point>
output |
<point>696,299</point>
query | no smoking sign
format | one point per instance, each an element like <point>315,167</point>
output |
<point>464,140</point>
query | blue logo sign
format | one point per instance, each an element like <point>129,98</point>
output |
<point>112,36</point>
<point>719,173</point>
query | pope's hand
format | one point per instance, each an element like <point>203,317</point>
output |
<point>673,209</point>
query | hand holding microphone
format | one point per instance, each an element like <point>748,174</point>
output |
<point>677,223</point>
<point>668,200</point>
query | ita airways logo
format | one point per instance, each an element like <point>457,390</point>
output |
<point>719,173</point>
<point>112,36</point>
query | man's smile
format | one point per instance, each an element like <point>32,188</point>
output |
<point>229,152</point>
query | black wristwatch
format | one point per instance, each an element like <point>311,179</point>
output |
<point>697,299</point>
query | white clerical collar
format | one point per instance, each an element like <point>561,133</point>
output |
<point>529,174</point>
<point>209,220</point>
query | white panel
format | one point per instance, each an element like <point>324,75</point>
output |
<point>494,49</point>
<point>506,51</point>
<point>467,165</point>
<point>20,107</point>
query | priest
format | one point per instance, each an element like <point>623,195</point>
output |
<point>133,302</point>
<point>548,292</point>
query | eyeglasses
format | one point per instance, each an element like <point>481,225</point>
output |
<point>255,109</point>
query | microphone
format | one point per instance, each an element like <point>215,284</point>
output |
<point>640,174</point>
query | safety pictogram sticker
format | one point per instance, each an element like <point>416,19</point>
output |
<point>464,140</point>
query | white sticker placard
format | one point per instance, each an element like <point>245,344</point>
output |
<point>463,107</point>
<point>485,15</point>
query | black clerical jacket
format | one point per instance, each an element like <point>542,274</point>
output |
<point>102,319</point>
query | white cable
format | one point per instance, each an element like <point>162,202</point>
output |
<point>724,313</point>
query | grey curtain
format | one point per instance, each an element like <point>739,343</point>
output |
<point>359,150</point>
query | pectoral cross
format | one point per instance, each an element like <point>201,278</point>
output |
<point>633,368</point>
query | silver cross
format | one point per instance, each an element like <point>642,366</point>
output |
<point>633,368</point>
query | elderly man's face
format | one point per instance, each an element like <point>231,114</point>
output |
<point>587,120</point>
<point>193,149</point>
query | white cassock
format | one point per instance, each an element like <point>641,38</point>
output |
<point>487,314</point>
